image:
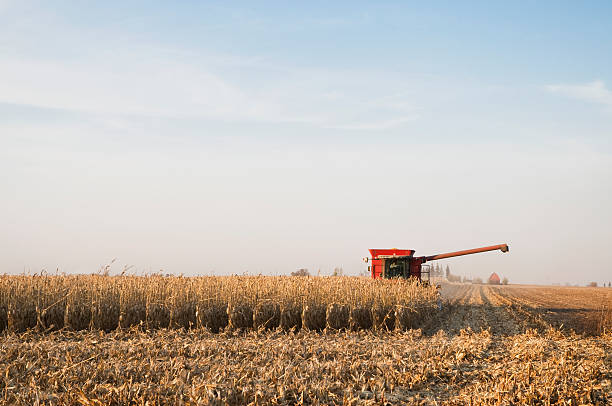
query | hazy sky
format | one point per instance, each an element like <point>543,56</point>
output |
<point>204,138</point>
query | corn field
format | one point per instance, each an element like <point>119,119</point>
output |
<point>215,303</point>
<point>130,340</point>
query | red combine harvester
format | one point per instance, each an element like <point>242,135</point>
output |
<point>397,263</point>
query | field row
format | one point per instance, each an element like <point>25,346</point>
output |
<point>215,303</point>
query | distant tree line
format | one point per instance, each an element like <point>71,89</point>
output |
<point>438,271</point>
<point>301,272</point>
<point>338,271</point>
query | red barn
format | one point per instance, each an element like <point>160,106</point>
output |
<point>494,279</point>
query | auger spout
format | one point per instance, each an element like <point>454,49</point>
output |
<point>501,247</point>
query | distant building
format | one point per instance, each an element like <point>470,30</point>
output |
<point>494,279</point>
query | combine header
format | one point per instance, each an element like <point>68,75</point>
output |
<point>398,263</point>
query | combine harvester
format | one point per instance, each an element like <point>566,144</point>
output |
<point>398,263</point>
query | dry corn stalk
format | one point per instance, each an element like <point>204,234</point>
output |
<point>151,302</point>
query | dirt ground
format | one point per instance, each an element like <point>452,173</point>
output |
<point>512,309</point>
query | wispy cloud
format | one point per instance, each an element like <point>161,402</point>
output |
<point>168,84</point>
<point>594,92</point>
<point>127,86</point>
<point>120,81</point>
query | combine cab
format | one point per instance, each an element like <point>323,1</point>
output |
<point>398,263</point>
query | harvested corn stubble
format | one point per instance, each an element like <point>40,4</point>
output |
<point>133,366</point>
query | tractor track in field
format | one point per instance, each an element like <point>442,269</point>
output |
<point>513,309</point>
<point>482,307</point>
<point>523,315</point>
<point>581,309</point>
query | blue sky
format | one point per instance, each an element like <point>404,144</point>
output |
<point>214,137</point>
